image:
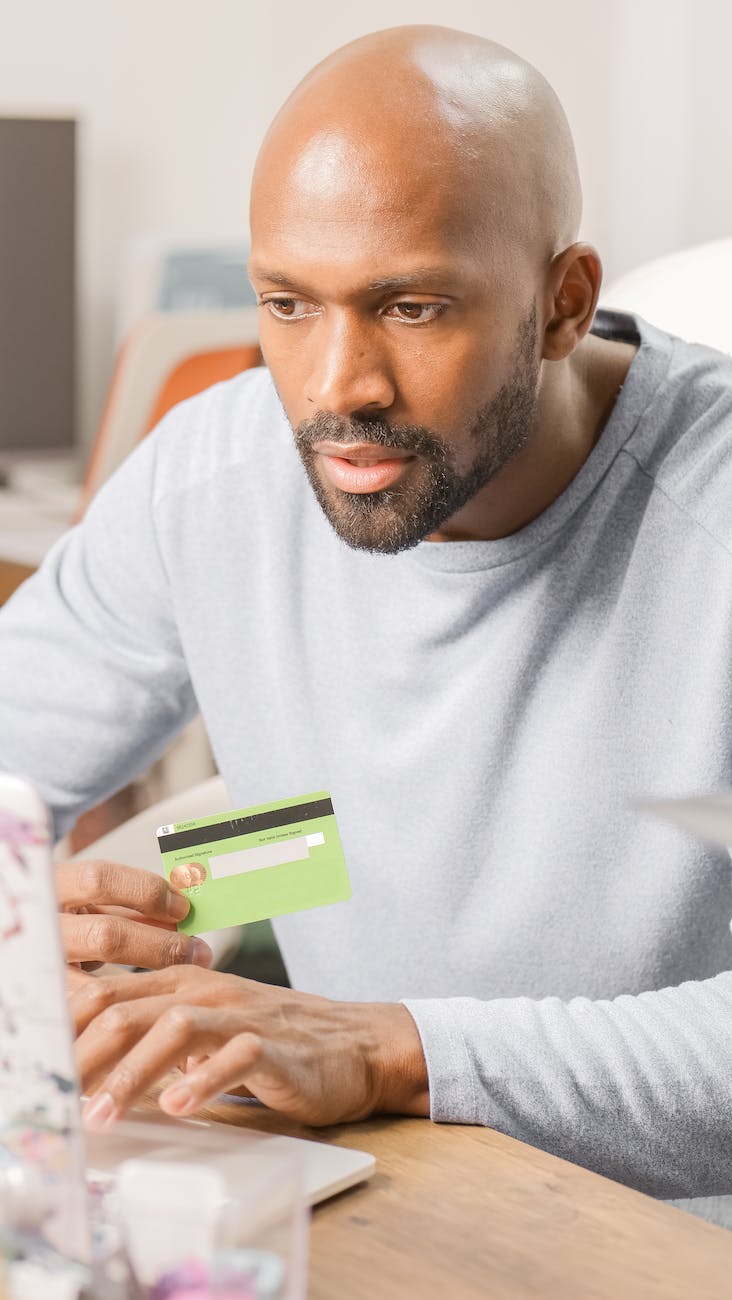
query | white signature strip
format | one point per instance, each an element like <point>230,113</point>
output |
<point>263,855</point>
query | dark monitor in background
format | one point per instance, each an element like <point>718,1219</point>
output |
<point>37,286</point>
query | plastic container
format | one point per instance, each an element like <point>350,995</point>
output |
<point>221,1217</point>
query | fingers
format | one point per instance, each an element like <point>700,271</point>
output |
<point>101,936</point>
<point>133,1044</point>
<point>94,883</point>
<point>92,935</point>
<point>94,996</point>
<point>112,1034</point>
<point>76,980</point>
<point>89,999</point>
<point>133,1029</point>
<point>174,1032</point>
<point>226,1069</point>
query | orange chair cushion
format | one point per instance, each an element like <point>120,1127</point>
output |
<point>198,372</point>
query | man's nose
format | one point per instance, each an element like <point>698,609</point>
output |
<point>350,371</point>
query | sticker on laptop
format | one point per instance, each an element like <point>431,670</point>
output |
<point>256,862</point>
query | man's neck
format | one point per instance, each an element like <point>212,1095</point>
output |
<point>575,402</point>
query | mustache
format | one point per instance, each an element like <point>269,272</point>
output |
<point>325,426</point>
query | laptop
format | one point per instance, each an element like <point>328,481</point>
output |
<point>41,1137</point>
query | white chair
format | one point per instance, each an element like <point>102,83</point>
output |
<point>688,293</point>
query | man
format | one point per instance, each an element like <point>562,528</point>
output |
<point>497,609</point>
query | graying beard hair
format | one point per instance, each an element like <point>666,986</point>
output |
<point>371,521</point>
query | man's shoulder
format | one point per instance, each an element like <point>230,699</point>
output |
<point>684,440</point>
<point>239,422</point>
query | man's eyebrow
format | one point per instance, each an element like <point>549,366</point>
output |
<point>272,277</point>
<point>424,277</point>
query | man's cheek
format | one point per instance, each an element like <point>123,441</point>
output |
<point>289,383</point>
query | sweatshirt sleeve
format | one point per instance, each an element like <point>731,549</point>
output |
<point>93,682</point>
<point>638,1088</point>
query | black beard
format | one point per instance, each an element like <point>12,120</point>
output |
<point>397,518</point>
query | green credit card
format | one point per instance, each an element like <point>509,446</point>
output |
<point>256,862</point>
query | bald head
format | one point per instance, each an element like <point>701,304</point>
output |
<point>425,109</point>
<point>413,248</point>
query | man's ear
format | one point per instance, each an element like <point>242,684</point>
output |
<point>573,286</point>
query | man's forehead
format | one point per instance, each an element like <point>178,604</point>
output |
<point>376,172</point>
<point>356,210</point>
<point>325,163</point>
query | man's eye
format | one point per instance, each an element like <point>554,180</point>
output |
<point>289,308</point>
<point>417,313</point>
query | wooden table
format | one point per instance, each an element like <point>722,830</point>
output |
<point>461,1213</point>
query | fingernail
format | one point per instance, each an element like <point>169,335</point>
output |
<point>178,1098</point>
<point>177,906</point>
<point>99,1112</point>
<point>201,954</point>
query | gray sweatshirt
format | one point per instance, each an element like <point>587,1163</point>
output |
<point>483,714</point>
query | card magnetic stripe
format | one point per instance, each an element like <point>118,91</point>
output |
<point>245,825</point>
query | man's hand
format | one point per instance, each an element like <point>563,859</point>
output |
<point>113,913</point>
<point>318,1061</point>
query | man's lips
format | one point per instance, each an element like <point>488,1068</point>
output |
<point>360,453</point>
<point>362,466</point>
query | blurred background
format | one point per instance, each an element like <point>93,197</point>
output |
<point>172,98</point>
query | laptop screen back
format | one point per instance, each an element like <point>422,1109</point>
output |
<point>40,1126</point>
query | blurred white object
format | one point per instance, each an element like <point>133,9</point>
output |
<point>688,293</point>
<point>709,816</point>
<point>168,1212</point>
<point>158,274</point>
<point>33,515</point>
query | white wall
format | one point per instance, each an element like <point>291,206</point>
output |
<point>174,96</point>
<point>709,183</point>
